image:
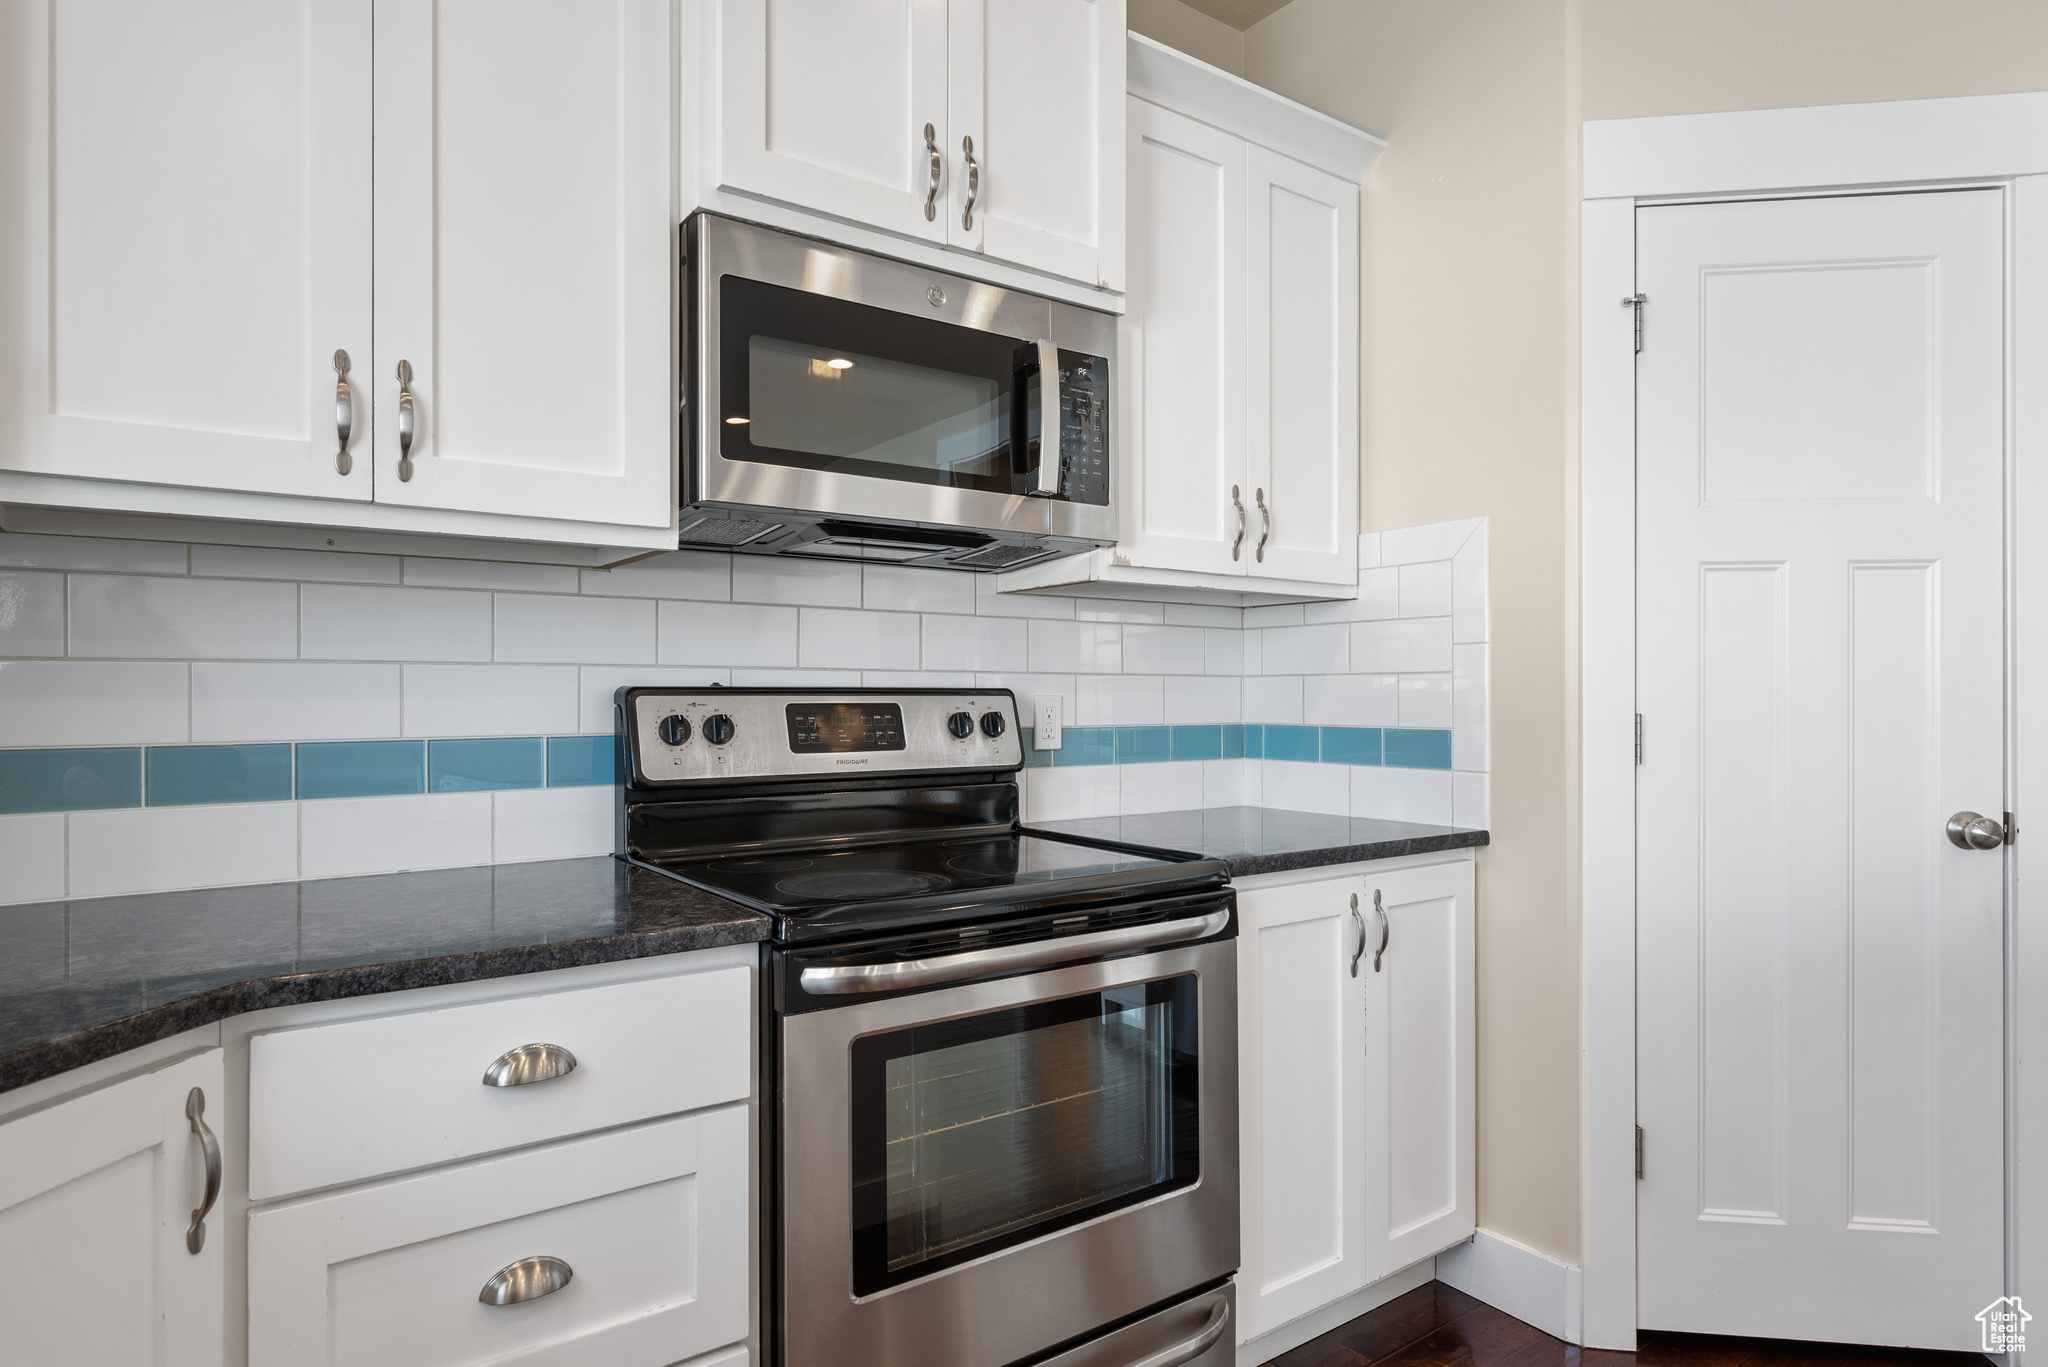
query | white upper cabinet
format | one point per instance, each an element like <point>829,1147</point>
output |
<point>185,225</point>
<point>1035,99</point>
<point>525,230</point>
<point>823,105</point>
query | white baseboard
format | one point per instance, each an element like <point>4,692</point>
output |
<point>1296,1332</point>
<point>1516,1279</point>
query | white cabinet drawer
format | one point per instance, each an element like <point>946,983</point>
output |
<point>338,1103</point>
<point>651,1221</point>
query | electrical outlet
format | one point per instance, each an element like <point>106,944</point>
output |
<point>1048,727</point>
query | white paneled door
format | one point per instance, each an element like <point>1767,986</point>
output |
<point>1821,667</point>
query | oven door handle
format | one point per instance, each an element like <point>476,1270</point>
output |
<point>1187,1350</point>
<point>852,978</point>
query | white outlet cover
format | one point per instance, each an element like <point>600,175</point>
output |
<point>1046,707</point>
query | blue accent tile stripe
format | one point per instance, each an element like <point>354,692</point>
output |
<point>1035,758</point>
<point>187,775</point>
<point>1254,742</point>
<point>1351,744</point>
<point>1143,744</point>
<point>1233,742</point>
<point>582,761</point>
<point>483,766</point>
<point>1412,749</point>
<point>1197,742</point>
<point>362,768</point>
<point>1292,742</point>
<point>1085,745</point>
<point>71,780</point>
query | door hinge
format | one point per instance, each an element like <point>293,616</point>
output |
<point>1639,738</point>
<point>1639,1153</point>
<point>1636,302</point>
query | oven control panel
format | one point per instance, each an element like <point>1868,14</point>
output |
<point>685,735</point>
<point>1084,428</point>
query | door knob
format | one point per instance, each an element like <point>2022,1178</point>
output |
<point>1969,831</point>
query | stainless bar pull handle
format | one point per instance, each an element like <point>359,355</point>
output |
<point>406,418</point>
<point>1237,544</point>
<point>1266,514</point>
<point>973,182</point>
<point>1358,953</point>
<point>526,1280</point>
<point>849,978</point>
<point>1386,930</point>
<point>1187,1350</point>
<point>529,1063</point>
<point>195,1111</point>
<point>344,414</point>
<point>1052,465</point>
<point>938,164</point>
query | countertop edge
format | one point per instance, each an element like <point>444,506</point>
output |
<point>1286,861</point>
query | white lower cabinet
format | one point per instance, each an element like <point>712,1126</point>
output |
<point>651,1223</point>
<point>97,1195</point>
<point>1356,1080</point>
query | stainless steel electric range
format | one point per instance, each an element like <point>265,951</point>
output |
<point>1002,1061</point>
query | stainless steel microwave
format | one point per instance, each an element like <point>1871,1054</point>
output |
<point>841,405</point>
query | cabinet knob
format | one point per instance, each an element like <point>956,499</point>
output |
<point>529,1063</point>
<point>526,1280</point>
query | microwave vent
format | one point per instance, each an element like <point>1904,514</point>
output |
<point>1000,557</point>
<point>724,531</point>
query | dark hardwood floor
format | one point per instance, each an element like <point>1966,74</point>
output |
<point>1436,1326</point>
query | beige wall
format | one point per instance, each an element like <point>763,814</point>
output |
<point>1188,30</point>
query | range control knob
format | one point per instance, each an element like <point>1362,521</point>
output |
<point>991,724</point>
<point>961,725</point>
<point>674,729</point>
<point>718,728</point>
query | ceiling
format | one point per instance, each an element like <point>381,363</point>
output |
<point>1239,14</point>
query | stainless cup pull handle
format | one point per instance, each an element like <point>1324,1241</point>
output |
<point>1358,953</point>
<point>529,1063</point>
<point>1386,930</point>
<point>973,182</point>
<point>1187,1350</point>
<point>1266,514</point>
<point>526,1280</point>
<point>344,414</point>
<point>195,1111</point>
<point>406,418</point>
<point>1237,544</point>
<point>938,164</point>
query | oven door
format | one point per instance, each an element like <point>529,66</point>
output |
<point>830,382</point>
<point>973,1174</point>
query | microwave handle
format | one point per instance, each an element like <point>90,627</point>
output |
<point>946,968</point>
<point>1051,469</point>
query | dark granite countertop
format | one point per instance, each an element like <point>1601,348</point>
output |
<point>1257,840</point>
<point>82,981</point>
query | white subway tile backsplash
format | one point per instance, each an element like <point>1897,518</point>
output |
<point>262,562</point>
<point>1231,783</point>
<point>1167,787</point>
<point>130,616</point>
<point>1432,541</point>
<point>989,603</point>
<point>1222,651</point>
<point>340,837</point>
<point>917,678</point>
<point>1029,687</point>
<point>31,857</point>
<point>566,629</point>
<point>1165,650</point>
<point>1296,786</point>
<point>20,550</point>
<point>729,634</point>
<point>1468,709</point>
<point>80,702</point>
<point>1468,589</point>
<point>1406,645</point>
<point>1468,800</point>
<point>1116,610</point>
<point>1401,794</point>
<point>974,643</point>
<point>599,684</point>
<point>1068,794</point>
<point>1076,647</point>
<point>1273,699</point>
<point>705,576</point>
<point>31,612</point>
<point>779,579</point>
<point>1204,615</point>
<point>1274,615</point>
<point>1368,550</point>
<point>797,678</point>
<point>491,700</point>
<point>429,572</point>
<point>1118,700</point>
<point>1307,650</point>
<point>150,849</point>
<point>1426,589</point>
<point>551,823</point>
<point>1379,595</point>
<point>1351,700</point>
<point>343,622</point>
<point>236,702</point>
<point>1425,700</point>
<point>1203,700</point>
<point>1253,643</point>
<point>830,638</point>
<point>902,588</point>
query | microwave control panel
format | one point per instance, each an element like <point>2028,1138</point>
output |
<point>1084,428</point>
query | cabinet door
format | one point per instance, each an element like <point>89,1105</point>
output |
<point>1303,284</point>
<point>525,231</point>
<point>1182,347</point>
<point>1420,1080</point>
<point>186,225</point>
<point>1303,1123</point>
<point>96,1195</point>
<point>651,1223</point>
<point>823,104</point>
<point>1038,86</point>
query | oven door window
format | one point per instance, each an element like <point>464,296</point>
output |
<point>975,1134</point>
<point>820,383</point>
